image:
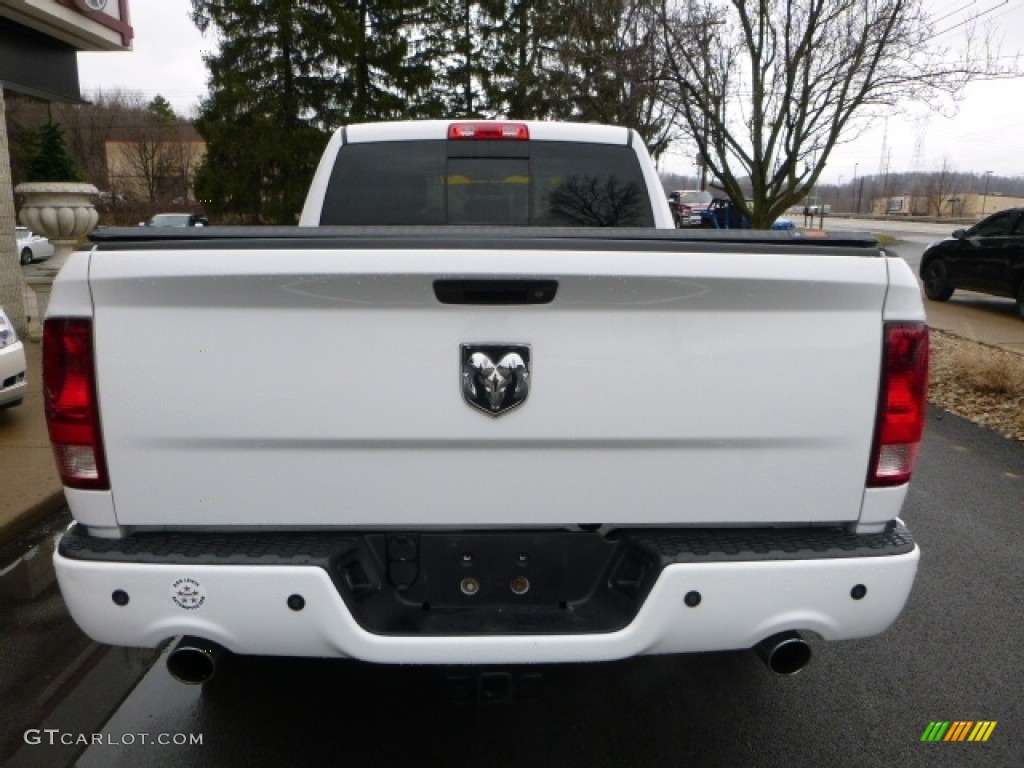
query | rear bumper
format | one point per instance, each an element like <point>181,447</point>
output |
<point>242,603</point>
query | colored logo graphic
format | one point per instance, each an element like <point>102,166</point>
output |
<point>958,730</point>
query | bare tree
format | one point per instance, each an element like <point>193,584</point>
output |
<point>767,89</point>
<point>939,188</point>
<point>149,146</point>
<point>146,158</point>
<point>90,126</point>
<point>183,155</point>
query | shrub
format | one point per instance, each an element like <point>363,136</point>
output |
<point>992,374</point>
<point>52,161</point>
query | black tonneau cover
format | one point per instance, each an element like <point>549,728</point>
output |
<point>489,238</point>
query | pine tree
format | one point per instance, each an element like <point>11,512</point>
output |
<point>450,43</point>
<point>374,50</point>
<point>518,38</point>
<point>270,104</point>
<point>161,109</point>
<point>290,71</point>
<point>608,68</point>
<point>52,161</point>
<point>287,73</point>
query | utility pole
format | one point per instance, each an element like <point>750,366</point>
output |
<point>984,197</point>
<point>885,183</point>
<point>853,189</point>
<point>702,160</point>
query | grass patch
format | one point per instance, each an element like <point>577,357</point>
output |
<point>988,373</point>
<point>981,383</point>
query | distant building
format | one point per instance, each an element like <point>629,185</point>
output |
<point>156,165</point>
<point>953,205</point>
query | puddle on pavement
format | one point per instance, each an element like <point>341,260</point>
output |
<point>51,674</point>
<point>26,565</point>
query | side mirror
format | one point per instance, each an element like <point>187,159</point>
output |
<point>142,223</point>
<point>960,234</point>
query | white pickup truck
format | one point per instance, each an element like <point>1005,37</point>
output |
<point>485,405</point>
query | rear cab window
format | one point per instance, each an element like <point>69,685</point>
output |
<point>487,182</point>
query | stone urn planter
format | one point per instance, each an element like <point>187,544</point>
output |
<point>63,212</point>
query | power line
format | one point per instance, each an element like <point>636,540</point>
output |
<point>952,13</point>
<point>969,19</point>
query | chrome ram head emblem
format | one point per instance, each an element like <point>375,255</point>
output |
<point>495,377</point>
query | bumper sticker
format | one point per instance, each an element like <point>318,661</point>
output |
<point>188,594</point>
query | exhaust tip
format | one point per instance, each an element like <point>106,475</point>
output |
<point>785,653</point>
<point>193,660</point>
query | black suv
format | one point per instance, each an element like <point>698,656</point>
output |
<point>988,257</point>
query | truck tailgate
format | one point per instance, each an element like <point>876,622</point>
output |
<point>323,388</point>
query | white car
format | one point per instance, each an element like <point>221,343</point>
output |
<point>32,247</point>
<point>12,365</point>
<point>176,220</point>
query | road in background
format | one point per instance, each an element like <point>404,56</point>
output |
<point>976,316</point>
<point>912,231</point>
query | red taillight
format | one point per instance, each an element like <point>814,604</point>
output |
<point>902,404</point>
<point>72,410</point>
<point>514,131</point>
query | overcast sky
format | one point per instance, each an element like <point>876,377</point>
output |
<point>985,135</point>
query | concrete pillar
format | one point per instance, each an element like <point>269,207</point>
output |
<point>12,282</point>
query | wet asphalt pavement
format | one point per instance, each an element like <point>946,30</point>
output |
<point>955,654</point>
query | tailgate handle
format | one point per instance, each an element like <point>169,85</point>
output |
<point>517,291</point>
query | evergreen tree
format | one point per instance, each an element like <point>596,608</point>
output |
<point>161,109</point>
<point>374,56</point>
<point>271,100</point>
<point>288,72</point>
<point>491,57</point>
<point>52,161</point>
<point>450,42</point>
<point>518,38</point>
<point>609,70</point>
